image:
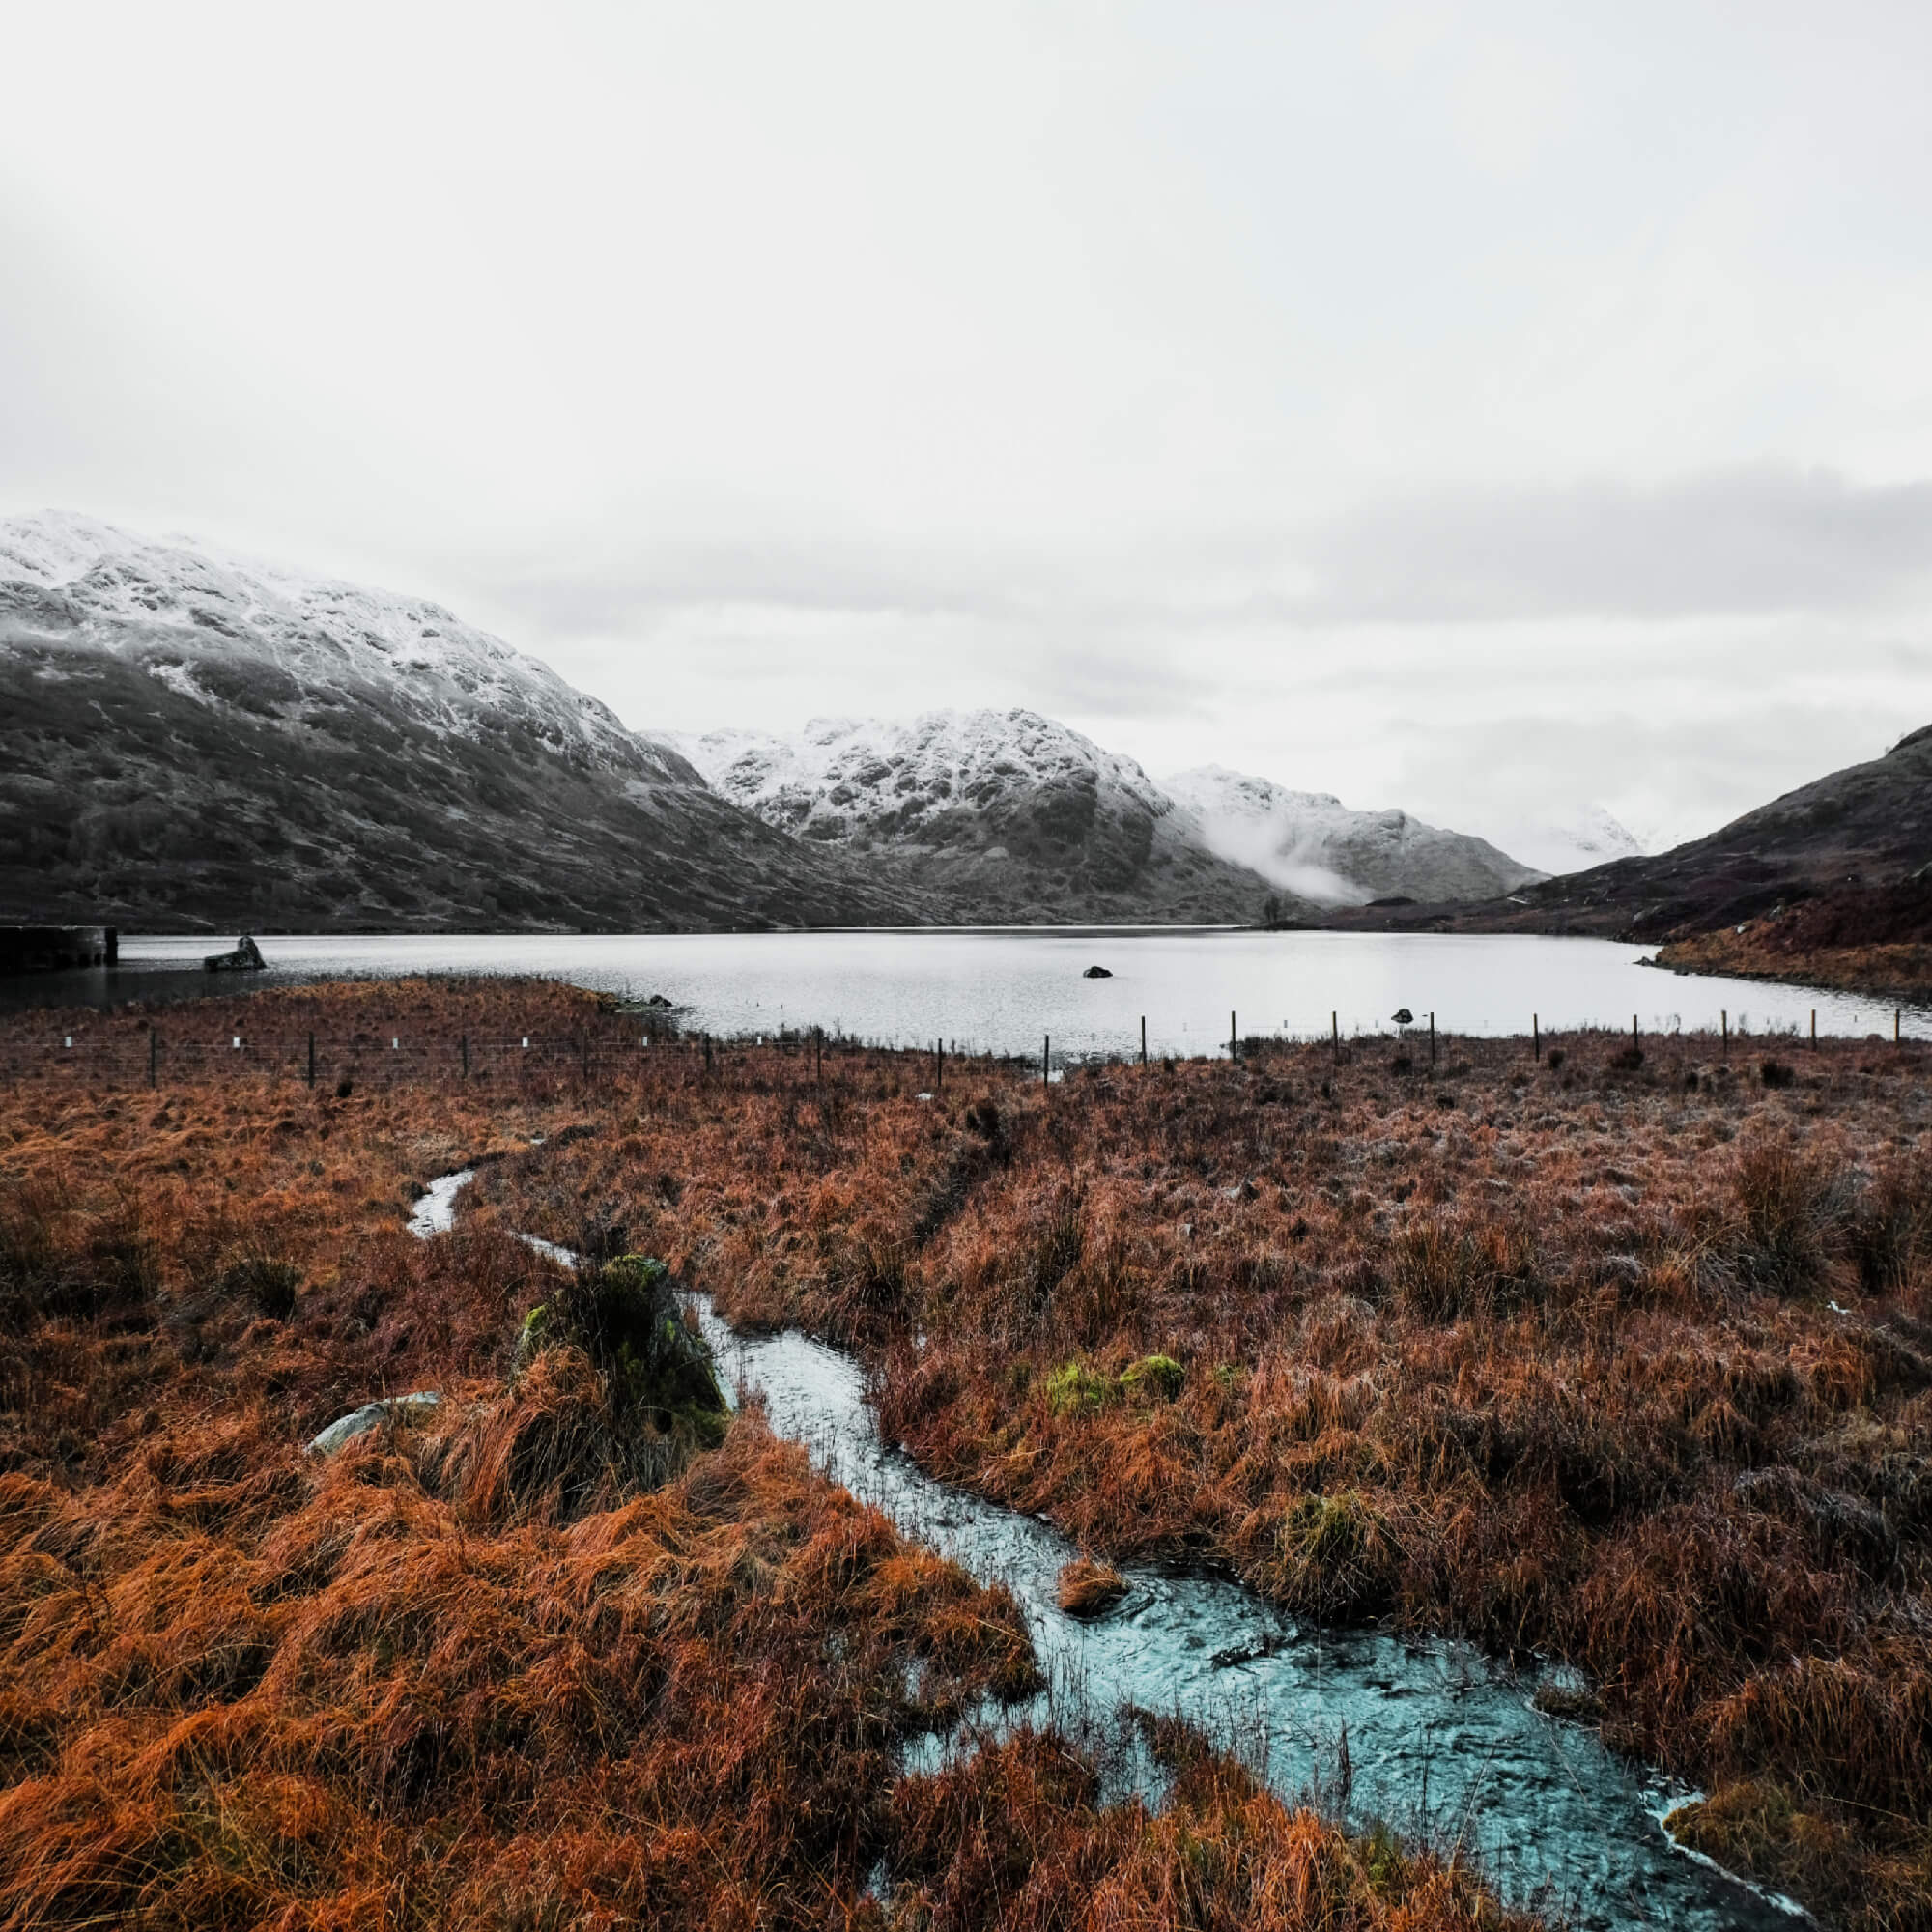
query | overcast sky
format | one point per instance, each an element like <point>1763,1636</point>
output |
<point>1486,409</point>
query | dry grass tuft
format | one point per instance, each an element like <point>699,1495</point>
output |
<point>1089,1589</point>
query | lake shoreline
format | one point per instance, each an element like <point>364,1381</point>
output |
<point>1027,991</point>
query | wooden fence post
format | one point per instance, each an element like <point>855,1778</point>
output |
<point>1143,1040</point>
<point>1536,1037</point>
<point>1724,1022</point>
<point>1814,1029</point>
<point>1045,1060</point>
<point>1335,1035</point>
<point>1635,1046</point>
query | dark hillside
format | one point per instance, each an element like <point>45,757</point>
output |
<point>1853,849</point>
<point>126,800</point>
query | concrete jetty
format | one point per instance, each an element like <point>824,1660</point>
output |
<point>56,949</point>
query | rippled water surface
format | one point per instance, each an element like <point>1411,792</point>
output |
<point>1005,991</point>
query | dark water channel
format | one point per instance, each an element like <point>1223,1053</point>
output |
<point>1440,1742</point>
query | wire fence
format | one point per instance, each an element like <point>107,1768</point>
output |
<point>155,1057</point>
<point>117,1054</point>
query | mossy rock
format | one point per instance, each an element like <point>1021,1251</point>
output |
<point>1075,1388</point>
<point>1158,1375</point>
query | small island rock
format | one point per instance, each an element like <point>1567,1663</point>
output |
<point>246,957</point>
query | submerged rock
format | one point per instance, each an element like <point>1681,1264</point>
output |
<point>372,1415</point>
<point>1096,973</point>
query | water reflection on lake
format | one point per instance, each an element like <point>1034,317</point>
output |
<point>1003,990</point>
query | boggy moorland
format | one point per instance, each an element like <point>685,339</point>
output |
<point>1621,1356</point>
<point>1627,1357</point>
<point>571,1649</point>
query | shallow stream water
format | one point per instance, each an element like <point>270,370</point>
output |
<point>1440,1742</point>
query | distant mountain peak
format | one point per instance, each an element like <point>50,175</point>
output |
<point>1310,843</point>
<point>1575,840</point>
<point>1010,810</point>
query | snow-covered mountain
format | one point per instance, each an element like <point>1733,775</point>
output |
<point>187,736</point>
<point>1012,815</point>
<point>235,635</point>
<point>1587,836</point>
<point>1312,844</point>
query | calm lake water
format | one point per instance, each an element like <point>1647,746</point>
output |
<point>1001,991</point>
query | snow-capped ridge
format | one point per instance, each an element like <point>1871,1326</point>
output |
<point>175,602</point>
<point>1008,808</point>
<point>848,778</point>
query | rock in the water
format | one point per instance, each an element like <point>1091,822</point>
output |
<point>1402,1017</point>
<point>1096,973</point>
<point>372,1415</point>
<point>246,957</point>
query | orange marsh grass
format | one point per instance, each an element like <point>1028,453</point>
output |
<point>471,1671</point>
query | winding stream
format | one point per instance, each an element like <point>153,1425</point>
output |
<point>1440,1742</point>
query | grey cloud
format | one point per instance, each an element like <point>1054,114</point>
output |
<point>1749,541</point>
<point>637,592</point>
<point>1687,775</point>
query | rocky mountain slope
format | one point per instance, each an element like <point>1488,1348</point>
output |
<point>1312,844</point>
<point>186,738</point>
<point>1012,816</point>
